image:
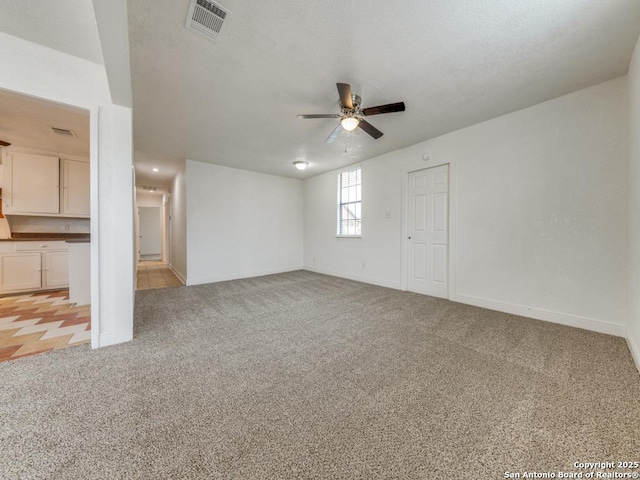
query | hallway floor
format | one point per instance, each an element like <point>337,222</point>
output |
<point>155,274</point>
<point>41,322</point>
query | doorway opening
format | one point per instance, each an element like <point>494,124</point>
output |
<point>45,225</point>
<point>153,228</point>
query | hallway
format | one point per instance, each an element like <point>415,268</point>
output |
<point>152,274</point>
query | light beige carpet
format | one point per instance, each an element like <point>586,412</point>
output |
<point>302,375</point>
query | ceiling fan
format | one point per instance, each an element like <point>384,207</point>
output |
<point>351,114</point>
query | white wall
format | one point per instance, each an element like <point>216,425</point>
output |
<point>241,224</point>
<point>41,72</point>
<point>633,327</point>
<point>538,221</point>
<point>112,224</point>
<point>379,247</point>
<point>178,225</point>
<point>148,199</point>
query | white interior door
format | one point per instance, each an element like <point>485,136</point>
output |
<point>150,231</point>
<point>428,231</point>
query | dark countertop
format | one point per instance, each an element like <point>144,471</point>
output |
<point>77,240</point>
<point>47,237</point>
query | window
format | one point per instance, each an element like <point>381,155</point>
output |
<point>350,203</point>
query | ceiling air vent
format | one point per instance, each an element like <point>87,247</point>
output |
<point>63,131</point>
<point>208,18</point>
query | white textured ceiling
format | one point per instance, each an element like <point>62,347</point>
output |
<point>26,122</point>
<point>65,25</point>
<point>454,63</point>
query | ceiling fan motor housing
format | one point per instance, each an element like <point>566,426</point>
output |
<point>356,101</point>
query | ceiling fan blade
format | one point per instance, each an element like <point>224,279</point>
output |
<point>370,129</point>
<point>389,108</point>
<point>344,89</point>
<point>4,144</point>
<point>320,115</point>
<point>336,131</point>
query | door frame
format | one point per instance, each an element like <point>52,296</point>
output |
<point>404,251</point>
<point>166,222</point>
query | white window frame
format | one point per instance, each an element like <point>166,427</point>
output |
<point>340,203</point>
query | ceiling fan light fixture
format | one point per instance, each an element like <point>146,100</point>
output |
<point>300,165</point>
<point>349,123</point>
<point>353,116</point>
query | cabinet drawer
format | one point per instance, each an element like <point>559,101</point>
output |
<point>7,247</point>
<point>39,246</point>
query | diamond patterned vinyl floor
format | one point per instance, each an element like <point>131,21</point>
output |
<point>41,322</point>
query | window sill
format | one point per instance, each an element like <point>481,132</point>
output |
<point>348,236</point>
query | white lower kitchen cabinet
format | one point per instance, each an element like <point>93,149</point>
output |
<point>55,269</point>
<point>28,266</point>
<point>20,272</point>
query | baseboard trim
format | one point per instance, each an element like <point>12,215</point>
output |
<point>358,278</point>
<point>553,317</point>
<point>634,347</point>
<point>240,275</point>
<point>178,274</point>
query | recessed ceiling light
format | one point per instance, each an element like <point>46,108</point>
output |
<point>300,165</point>
<point>155,169</point>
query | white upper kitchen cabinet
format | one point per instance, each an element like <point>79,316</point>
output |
<point>45,185</point>
<point>75,188</point>
<point>31,184</point>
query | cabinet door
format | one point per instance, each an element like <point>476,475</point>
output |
<point>31,184</point>
<point>75,188</point>
<point>20,271</point>
<point>55,269</point>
